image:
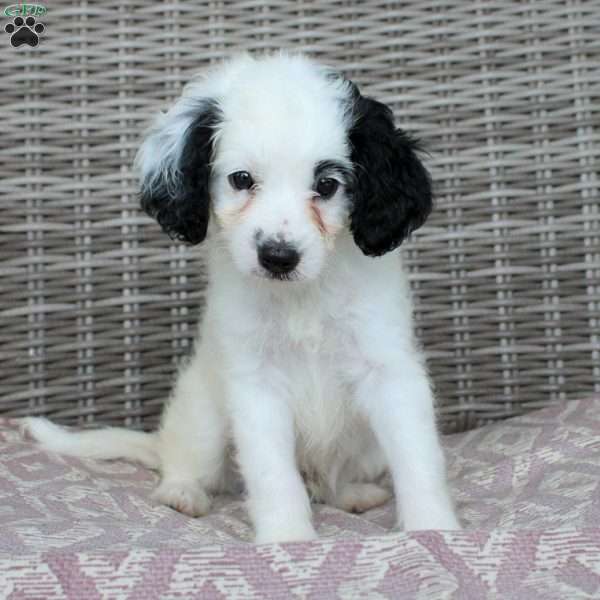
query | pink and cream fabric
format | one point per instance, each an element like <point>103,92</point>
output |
<point>528,491</point>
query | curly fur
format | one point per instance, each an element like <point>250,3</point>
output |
<point>181,203</point>
<point>392,192</point>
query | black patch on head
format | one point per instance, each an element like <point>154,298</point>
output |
<point>391,193</point>
<point>333,167</point>
<point>182,206</point>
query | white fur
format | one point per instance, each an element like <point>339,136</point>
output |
<point>316,382</point>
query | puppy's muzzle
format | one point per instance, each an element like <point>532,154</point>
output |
<point>278,258</point>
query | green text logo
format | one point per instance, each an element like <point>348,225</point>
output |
<point>24,10</point>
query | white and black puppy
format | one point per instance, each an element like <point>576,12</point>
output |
<point>306,363</point>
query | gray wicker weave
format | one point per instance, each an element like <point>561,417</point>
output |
<point>97,306</point>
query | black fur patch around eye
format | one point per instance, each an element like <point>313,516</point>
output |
<point>182,205</point>
<point>391,193</point>
<point>330,167</point>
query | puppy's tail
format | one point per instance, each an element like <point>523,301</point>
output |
<point>106,444</point>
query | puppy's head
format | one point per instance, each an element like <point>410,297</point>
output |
<point>281,156</point>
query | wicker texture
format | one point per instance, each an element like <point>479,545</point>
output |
<point>97,306</point>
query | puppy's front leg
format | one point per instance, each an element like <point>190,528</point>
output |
<point>264,436</point>
<point>398,401</point>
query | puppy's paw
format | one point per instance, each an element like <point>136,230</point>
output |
<point>187,497</point>
<point>360,497</point>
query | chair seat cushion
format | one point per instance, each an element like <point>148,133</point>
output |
<point>527,491</point>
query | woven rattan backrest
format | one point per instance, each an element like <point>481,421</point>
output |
<point>97,306</point>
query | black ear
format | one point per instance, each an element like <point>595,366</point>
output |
<point>391,195</point>
<point>176,172</point>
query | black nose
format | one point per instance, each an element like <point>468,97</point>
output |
<point>278,257</point>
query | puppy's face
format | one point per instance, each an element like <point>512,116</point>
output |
<point>282,155</point>
<point>281,172</point>
<point>280,222</point>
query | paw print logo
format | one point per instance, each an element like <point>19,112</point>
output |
<point>24,31</point>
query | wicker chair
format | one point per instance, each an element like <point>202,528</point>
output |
<point>97,306</point>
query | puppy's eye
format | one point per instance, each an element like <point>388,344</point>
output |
<point>327,187</point>
<point>241,180</point>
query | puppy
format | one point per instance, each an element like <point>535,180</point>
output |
<point>306,371</point>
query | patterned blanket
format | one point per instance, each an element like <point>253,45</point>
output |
<point>527,490</point>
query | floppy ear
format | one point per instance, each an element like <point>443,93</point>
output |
<point>391,195</point>
<point>174,164</point>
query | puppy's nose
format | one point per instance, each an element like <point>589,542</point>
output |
<point>278,257</point>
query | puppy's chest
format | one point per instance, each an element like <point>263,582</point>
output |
<point>313,351</point>
<point>310,335</point>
